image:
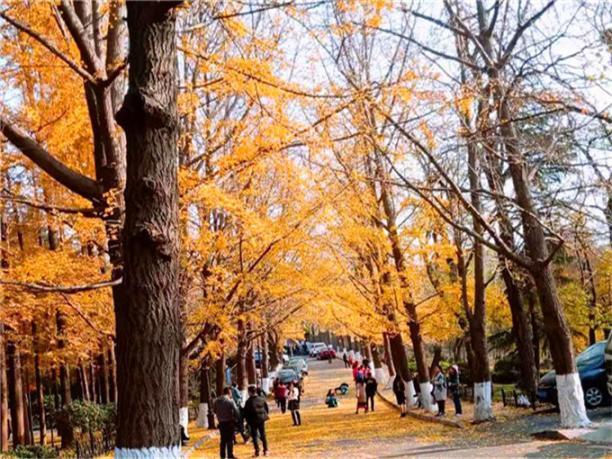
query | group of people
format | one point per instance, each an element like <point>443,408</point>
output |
<point>231,417</point>
<point>365,386</point>
<point>288,396</point>
<point>442,385</point>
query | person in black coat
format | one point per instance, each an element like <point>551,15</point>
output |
<point>370,388</point>
<point>399,389</point>
<point>256,414</point>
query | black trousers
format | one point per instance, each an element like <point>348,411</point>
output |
<point>259,431</point>
<point>297,419</point>
<point>370,401</point>
<point>457,402</point>
<point>226,430</point>
<point>441,405</point>
<point>283,404</point>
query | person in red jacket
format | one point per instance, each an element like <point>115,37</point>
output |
<point>355,370</point>
<point>281,396</point>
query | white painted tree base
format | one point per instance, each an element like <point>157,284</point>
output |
<point>184,418</point>
<point>379,374</point>
<point>245,395</point>
<point>483,408</point>
<point>571,401</point>
<point>171,452</point>
<point>265,385</point>
<point>411,400</point>
<point>202,420</point>
<point>426,399</point>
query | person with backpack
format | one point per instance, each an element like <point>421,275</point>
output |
<point>439,389</point>
<point>371,386</point>
<point>399,389</point>
<point>256,414</point>
<point>330,400</point>
<point>453,387</point>
<point>227,418</point>
<point>281,393</point>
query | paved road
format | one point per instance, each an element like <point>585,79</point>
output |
<point>339,432</point>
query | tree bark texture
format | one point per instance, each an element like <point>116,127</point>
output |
<point>148,328</point>
<point>15,385</point>
<point>4,395</point>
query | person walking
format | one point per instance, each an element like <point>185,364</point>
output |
<point>345,360</point>
<point>256,414</point>
<point>281,395</point>
<point>439,389</point>
<point>227,417</point>
<point>371,388</point>
<point>453,387</point>
<point>399,389</point>
<point>294,404</point>
<point>362,401</point>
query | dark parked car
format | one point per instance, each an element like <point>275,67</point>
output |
<point>592,374</point>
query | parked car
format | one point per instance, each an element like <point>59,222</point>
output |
<point>591,369</point>
<point>327,354</point>
<point>287,375</point>
<point>316,348</point>
<point>299,364</point>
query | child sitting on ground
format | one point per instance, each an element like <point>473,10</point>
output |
<point>331,401</point>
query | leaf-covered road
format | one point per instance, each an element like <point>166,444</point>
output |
<point>339,432</point>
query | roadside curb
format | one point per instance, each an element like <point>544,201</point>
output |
<point>209,436</point>
<point>422,417</point>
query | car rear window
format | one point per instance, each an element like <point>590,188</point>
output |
<point>592,356</point>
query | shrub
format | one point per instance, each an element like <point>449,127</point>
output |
<point>505,370</point>
<point>90,417</point>
<point>36,451</point>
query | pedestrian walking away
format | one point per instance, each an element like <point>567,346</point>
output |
<point>227,415</point>
<point>294,404</point>
<point>345,360</point>
<point>281,396</point>
<point>453,387</point>
<point>399,389</point>
<point>256,414</point>
<point>371,388</point>
<point>439,389</point>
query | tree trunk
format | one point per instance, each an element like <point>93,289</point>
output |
<point>435,360</point>
<point>15,385</point>
<point>184,392</point>
<point>570,395</point>
<point>64,428</point>
<point>220,375</point>
<point>250,365</point>
<point>535,330</point>
<point>4,395</point>
<point>388,355</point>
<point>205,402</point>
<point>92,381</point>
<point>40,398</point>
<point>104,382</point>
<point>112,366</point>
<point>84,383</point>
<point>148,330</point>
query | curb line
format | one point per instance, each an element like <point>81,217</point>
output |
<point>422,417</point>
<point>209,436</point>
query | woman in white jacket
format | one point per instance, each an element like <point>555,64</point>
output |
<point>294,404</point>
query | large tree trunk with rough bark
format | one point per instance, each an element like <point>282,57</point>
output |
<point>148,329</point>
<point>569,389</point>
<point>205,402</point>
<point>220,375</point>
<point>183,383</point>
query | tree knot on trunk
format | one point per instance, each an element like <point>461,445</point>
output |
<point>157,238</point>
<point>143,108</point>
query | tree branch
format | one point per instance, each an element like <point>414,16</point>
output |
<point>71,179</point>
<point>63,289</point>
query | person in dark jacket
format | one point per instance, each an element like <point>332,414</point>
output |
<point>371,387</point>
<point>399,389</point>
<point>227,417</point>
<point>453,387</point>
<point>256,414</point>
